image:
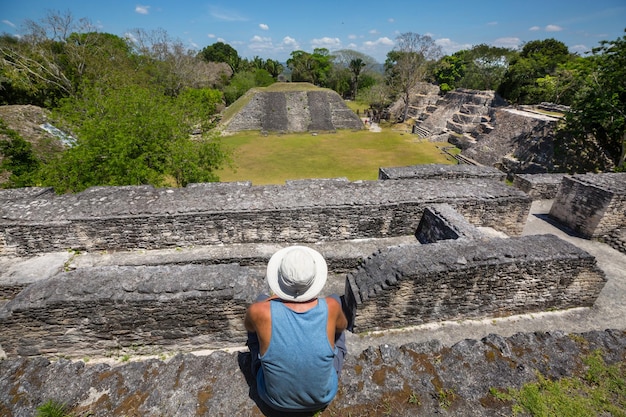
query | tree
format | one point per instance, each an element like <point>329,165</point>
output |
<point>53,57</point>
<point>132,135</point>
<point>314,68</point>
<point>356,66</point>
<point>485,66</point>
<point>221,52</point>
<point>408,63</point>
<point>450,69</point>
<point>357,63</point>
<point>536,60</point>
<point>598,114</point>
<point>244,81</point>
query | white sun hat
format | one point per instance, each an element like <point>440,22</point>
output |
<point>297,273</point>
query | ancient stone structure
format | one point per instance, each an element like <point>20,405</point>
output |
<point>592,204</point>
<point>461,112</point>
<point>310,109</point>
<point>416,379</point>
<point>92,311</point>
<point>442,222</point>
<point>422,97</point>
<point>409,285</point>
<point>539,186</point>
<point>520,142</point>
<point>117,218</point>
<point>440,171</point>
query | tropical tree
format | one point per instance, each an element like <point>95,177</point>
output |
<point>314,68</point>
<point>408,63</point>
<point>356,66</point>
<point>450,69</point>
<point>536,60</point>
<point>221,52</point>
<point>595,128</point>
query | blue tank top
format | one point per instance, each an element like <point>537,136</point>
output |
<point>297,370</point>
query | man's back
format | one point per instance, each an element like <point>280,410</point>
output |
<point>297,368</point>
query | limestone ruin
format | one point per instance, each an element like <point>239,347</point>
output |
<point>293,107</point>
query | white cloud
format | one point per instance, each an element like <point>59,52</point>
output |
<point>510,42</point>
<point>373,32</point>
<point>580,49</point>
<point>227,15</point>
<point>492,23</point>
<point>326,42</point>
<point>263,26</point>
<point>534,28</point>
<point>448,46</point>
<point>391,20</point>
<point>385,41</point>
<point>553,28</point>
<point>210,35</point>
<point>352,36</point>
<point>8,22</point>
<point>259,43</point>
<point>290,42</point>
<point>221,40</point>
<point>142,9</point>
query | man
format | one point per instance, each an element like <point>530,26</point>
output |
<point>295,338</point>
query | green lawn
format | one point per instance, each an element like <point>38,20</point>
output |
<point>356,155</point>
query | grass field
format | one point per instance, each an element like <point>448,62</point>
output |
<point>356,155</point>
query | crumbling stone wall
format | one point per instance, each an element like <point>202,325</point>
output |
<point>460,111</point>
<point>93,311</point>
<point>440,171</point>
<point>442,222</point>
<point>539,186</point>
<point>520,142</point>
<point>115,218</point>
<point>414,284</point>
<point>592,204</point>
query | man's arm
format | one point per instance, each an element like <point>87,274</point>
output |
<point>335,311</point>
<point>250,318</point>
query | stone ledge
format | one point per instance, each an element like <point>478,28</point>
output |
<point>375,380</point>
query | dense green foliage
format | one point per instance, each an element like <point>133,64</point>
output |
<point>480,68</point>
<point>131,136</point>
<point>595,131</point>
<point>536,60</point>
<point>18,159</point>
<point>140,111</point>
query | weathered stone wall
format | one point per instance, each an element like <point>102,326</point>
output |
<point>115,218</point>
<point>92,311</point>
<point>440,171</point>
<point>520,142</point>
<point>592,204</point>
<point>460,110</point>
<point>414,284</point>
<point>442,222</point>
<point>539,186</point>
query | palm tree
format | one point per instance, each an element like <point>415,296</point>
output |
<point>356,66</point>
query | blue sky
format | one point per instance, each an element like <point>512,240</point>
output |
<point>272,29</point>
